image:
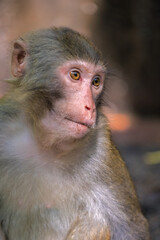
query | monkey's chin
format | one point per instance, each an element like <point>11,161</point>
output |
<point>77,130</point>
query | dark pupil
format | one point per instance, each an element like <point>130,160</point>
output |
<point>75,74</point>
<point>96,81</point>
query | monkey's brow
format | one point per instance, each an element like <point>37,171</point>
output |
<point>104,71</point>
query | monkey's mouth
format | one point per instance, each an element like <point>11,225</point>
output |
<point>80,123</point>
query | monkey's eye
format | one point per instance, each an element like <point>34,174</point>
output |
<point>96,81</point>
<point>75,75</point>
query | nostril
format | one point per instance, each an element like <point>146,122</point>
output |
<point>88,108</point>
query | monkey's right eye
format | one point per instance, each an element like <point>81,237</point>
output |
<point>75,75</point>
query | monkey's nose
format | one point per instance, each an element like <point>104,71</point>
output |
<point>92,109</point>
<point>88,108</point>
<point>89,115</point>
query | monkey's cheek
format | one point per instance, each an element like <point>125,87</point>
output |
<point>63,128</point>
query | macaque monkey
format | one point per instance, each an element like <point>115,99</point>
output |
<point>61,177</point>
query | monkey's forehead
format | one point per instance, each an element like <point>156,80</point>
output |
<point>62,42</point>
<point>86,65</point>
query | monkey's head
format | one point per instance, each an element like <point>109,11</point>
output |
<point>62,75</point>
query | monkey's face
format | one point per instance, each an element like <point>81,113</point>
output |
<point>74,114</point>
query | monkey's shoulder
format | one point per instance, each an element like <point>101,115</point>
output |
<point>121,179</point>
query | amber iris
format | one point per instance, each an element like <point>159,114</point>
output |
<point>96,82</point>
<point>75,75</point>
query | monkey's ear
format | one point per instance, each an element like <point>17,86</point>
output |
<point>19,58</point>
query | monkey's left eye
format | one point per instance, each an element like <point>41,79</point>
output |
<point>96,81</point>
<point>75,75</point>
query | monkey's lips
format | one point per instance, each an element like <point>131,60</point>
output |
<point>88,125</point>
<point>80,128</point>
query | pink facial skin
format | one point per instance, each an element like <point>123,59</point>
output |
<point>74,115</point>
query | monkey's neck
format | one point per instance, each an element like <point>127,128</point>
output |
<point>63,148</point>
<point>60,147</point>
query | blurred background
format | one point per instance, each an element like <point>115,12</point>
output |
<point>128,34</point>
